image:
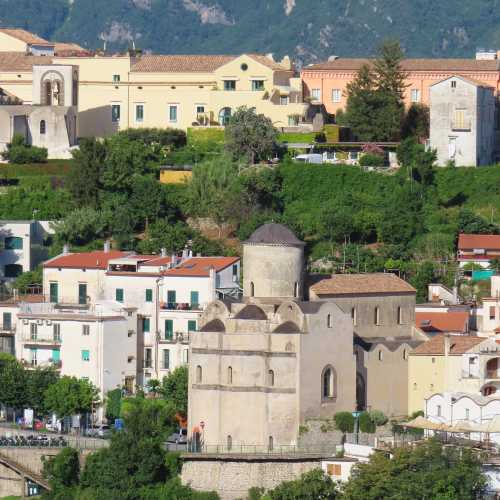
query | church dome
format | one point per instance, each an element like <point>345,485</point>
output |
<point>274,234</point>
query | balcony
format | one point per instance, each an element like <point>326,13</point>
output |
<point>35,340</point>
<point>461,126</point>
<point>180,306</point>
<point>176,337</point>
<point>34,363</point>
<point>7,330</point>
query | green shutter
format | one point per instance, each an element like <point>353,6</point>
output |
<point>54,293</point>
<point>85,355</point>
<point>191,325</point>
<point>195,300</point>
<point>82,293</point>
<point>119,295</point>
<point>149,295</point>
<point>145,325</point>
<point>169,329</point>
<point>56,355</point>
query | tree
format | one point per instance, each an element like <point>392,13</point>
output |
<point>62,470</point>
<point>250,135</point>
<point>18,151</point>
<point>422,278</point>
<point>12,382</point>
<point>153,386</point>
<point>470,223</point>
<point>366,424</point>
<point>174,389</point>
<point>71,396</point>
<point>427,471</point>
<point>113,404</point>
<point>391,79</point>
<point>84,181</point>
<point>416,122</point>
<point>37,382</point>
<point>163,234</point>
<point>80,226</point>
<point>344,422</point>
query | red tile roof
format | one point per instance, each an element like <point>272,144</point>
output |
<point>486,241</point>
<point>25,36</point>
<point>459,344</point>
<point>200,266</point>
<point>85,260</point>
<point>345,284</point>
<point>453,321</point>
<point>157,261</point>
<point>18,61</point>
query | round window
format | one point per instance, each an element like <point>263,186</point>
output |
<point>244,66</point>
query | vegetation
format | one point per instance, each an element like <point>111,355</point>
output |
<point>344,422</point>
<point>366,424</point>
<point>18,151</point>
<point>174,389</point>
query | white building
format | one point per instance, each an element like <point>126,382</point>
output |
<point>488,313</point>
<point>22,246</point>
<point>98,342</point>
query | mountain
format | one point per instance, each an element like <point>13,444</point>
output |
<point>308,30</point>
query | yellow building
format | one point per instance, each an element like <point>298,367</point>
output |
<point>133,90</point>
<point>447,363</point>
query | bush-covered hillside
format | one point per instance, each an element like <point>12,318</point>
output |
<point>306,29</point>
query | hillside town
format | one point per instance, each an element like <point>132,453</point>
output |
<point>225,276</point>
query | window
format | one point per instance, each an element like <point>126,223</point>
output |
<point>380,355</point>
<point>116,78</point>
<point>139,113</point>
<point>171,299</point>
<point>431,387</point>
<point>169,329</point>
<point>43,127</point>
<point>229,443</point>
<point>354,315</point>
<point>235,271</point>
<point>82,293</point>
<point>229,84</point>
<point>467,414</point>
<point>148,358</point>
<point>146,325</point>
<point>56,332</point>
<point>329,321</point>
<point>296,290</point>
<point>492,312</point>
<point>7,321</point>
<point>257,85</point>
<point>166,359</point>
<point>334,470</point>
<point>224,116</point>
<point>229,375</point>
<point>459,120</point>
<point>293,120</point>
<point>252,289</point>
<point>85,330</point>
<point>172,113</point>
<point>400,316</point>
<point>328,383</point>
<point>33,331</point>
<point>405,354</point>
<point>453,84</point>
<point>415,95</point>
<point>12,270</point>
<point>316,94</point>
<point>199,374</point>
<point>185,356</point>
<point>472,361</point>
<point>54,292</point>
<point>433,360</point>
<point>33,353</point>
<point>270,378</point>
<point>195,300</point>
<point>270,443</point>
<point>115,113</point>
<point>438,410</point>
<point>376,317</point>
<point>284,100</point>
<point>119,295</point>
<point>336,95</point>
<point>13,243</point>
<point>149,295</point>
<point>85,355</point>
<point>192,325</point>
<point>200,109</point>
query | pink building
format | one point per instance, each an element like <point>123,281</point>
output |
<point>326,82</point>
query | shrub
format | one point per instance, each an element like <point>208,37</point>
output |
<point>378,418</point>
<point>371,160</point>
<point>320,137</point>
<point>366,424</point>
<point>18,151</point>
<point>344,421</point>
<point>169,137</point>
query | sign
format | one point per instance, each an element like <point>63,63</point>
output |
<point>28,417</point>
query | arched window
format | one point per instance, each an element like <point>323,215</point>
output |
<point>229,443</point>
<point>405,354</point>
<point>270,378</point>
<point>271,443</point>
<point>376,317</point>
<point>380,355</point>
<point>328,383</point>
<point>400,315</point>
<point>229,375</point>
<point>43,127</point>
<point>329,321</point>
<point>198,374</point>
<point>353,316</point>
<point>252,289</point>
<point>224,116</point>
<point>296,290</point>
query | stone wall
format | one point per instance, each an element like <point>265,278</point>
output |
<point>231,476</point>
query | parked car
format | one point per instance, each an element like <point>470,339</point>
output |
<point>102,431</point>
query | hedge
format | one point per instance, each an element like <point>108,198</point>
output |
<point>53,167</point>
<point>197,135</point>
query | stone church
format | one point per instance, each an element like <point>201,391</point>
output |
<point>50,120</point>
<point>262,366</point>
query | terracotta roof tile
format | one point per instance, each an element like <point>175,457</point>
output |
<point>200,266</point>
<point>458,65</point>
<point>180,63</point>
<point>85,260</point>
<point>471,241</point>
<point>459,344</point>
<point>69,49</point>
<point>453,321</point>
<point>25,36</point>
<point>267,61</point>
<point>8,98</point>
<point>18,61</point>
<point>345,284</point>
<point>157,261</point>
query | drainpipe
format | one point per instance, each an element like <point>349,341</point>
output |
<point>157,329</point>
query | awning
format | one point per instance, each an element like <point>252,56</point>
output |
<point>423,423</point>
<point>492,425</point>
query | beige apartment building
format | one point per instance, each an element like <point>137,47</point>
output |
<point>116,92</point>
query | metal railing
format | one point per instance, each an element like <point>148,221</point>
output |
<point>180,306</point>
<point>249,449</point>
<point>8,329</point>
<point>174,338</point>
<point>35,339</point>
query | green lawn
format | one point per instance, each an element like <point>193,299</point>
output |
<point>52,168</point>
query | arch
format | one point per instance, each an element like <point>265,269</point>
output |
<point>360,392</point>
<point>252,289</point>
<point>328,383</point>
<point>229,441</point>
<point>43,127</point>
<point>270,378</point>
<point>225,116</point>
<point>287,327</point>
<point>199,374</point>
<point>252,312</point>
<point>492,368</point>
<point>229,375</point>
<point>489,390</point>
<point>216,326</point>
<point>52,88</point>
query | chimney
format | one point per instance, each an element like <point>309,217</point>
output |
<point>286,62</point>
<point>107,246</point>
<point>270,56</point>
<point>190,254</point>
<point>173,260</point>
<point>446,344</point>
<point>163,252</point>
<point>65,249</point>
<point>212,283</point>
<point>185,253</point>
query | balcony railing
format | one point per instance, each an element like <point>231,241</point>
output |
<point>34,363</point>
<point>464,126</point>
<point>180,306</point>
<point>7,329</point>
<point>36,340</point>
<point>174,337</point>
